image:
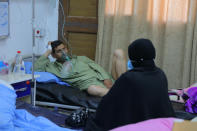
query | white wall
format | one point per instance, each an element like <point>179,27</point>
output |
<point>20,38</point>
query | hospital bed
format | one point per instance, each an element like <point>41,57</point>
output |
<point>62,96</point>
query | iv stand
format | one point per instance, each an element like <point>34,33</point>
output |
<point>33,95</point>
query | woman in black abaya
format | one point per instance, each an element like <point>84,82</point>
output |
<point>137,95</point>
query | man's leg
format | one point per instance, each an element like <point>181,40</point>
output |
<point>97,90</point>
<point>118,63</point>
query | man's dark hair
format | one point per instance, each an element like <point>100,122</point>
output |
<point>55,44</point>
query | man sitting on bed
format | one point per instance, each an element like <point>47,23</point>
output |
<point>84,74</point>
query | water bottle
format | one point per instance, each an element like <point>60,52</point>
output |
<point>22,69</point>
<point>18,63</point>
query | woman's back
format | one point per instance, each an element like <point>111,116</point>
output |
<point>139,94</point>
<point>133,99</point>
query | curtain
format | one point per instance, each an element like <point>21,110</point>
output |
<point>170,24</point>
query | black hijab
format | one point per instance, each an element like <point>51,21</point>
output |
<point>142,53</point>
<point>137,95</point>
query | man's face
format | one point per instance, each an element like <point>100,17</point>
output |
<point>58,51</point>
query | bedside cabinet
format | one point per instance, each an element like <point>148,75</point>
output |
<point>21,83</point>
<point>22,88</point>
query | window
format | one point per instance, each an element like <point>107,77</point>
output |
<point>157,10</point>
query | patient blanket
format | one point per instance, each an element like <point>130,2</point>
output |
<point>12,119</point>
<point>187,96</point>
<point>191,103</point>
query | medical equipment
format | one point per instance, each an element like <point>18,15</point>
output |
<point>67,67</point>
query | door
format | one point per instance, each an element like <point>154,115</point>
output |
<point>81,26</point>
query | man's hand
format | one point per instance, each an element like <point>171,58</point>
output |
<point>108,83</point>
<point>49,51</point>
<point>49,43</point>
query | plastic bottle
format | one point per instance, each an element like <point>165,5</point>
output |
<point>22,68</point>
<point>18,63</point>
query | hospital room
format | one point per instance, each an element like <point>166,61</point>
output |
<point>98,65</point>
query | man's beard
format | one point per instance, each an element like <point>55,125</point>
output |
<point>63,58</point>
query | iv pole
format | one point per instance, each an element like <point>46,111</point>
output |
<point>33,96</point>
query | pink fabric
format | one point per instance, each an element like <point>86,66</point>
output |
<point>160,124</point>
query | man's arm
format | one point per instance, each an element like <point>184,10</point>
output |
<point>105,75</point>
<point>42,62</point>
<point>94,66</point>
<point>47,53</point>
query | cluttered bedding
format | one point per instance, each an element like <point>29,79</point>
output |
<point>12,119</point>
<point>186,97</point>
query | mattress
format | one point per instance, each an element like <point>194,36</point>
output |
<point>61,94</point>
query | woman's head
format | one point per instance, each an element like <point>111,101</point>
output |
<point>141,50</point>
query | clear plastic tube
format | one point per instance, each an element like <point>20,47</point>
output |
<point>67,67</point>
